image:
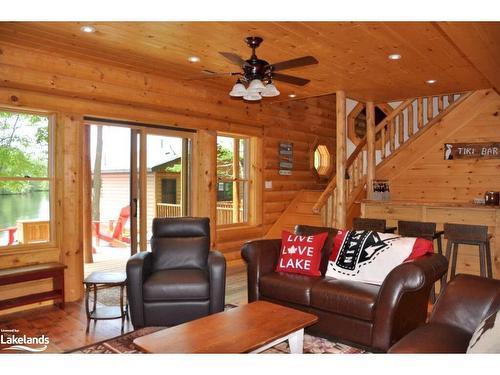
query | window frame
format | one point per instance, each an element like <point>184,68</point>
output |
<point>51,179</point>
<point>250,173</point>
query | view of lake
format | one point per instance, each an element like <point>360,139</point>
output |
<point>15,207</point>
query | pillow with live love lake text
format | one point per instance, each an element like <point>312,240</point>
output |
<point>301,254</point>
<point>368,256</point>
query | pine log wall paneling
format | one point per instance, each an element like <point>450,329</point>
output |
<point>419,172</point>
<point>72,88</point>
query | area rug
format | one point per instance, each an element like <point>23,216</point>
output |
<point>124,344</point>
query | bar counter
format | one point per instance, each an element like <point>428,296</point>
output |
<point>440,213</point>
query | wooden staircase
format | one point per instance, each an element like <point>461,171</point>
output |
<point>299,211</point>
<point>398,129</point>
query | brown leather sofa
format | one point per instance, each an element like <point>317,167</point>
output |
<point>180,279</point>
<point>364,315</point>
<point>464,304</point>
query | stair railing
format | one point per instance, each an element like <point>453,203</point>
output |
<point>399,126</point>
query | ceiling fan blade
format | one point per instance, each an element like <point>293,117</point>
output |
<point>301,61</point>
<point>209,74</point>
<point>290,79</point>
<point>234,58</point>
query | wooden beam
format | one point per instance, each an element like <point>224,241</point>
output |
<point>370,140</point>
<point>341,160</point>
<point>87,201</point>
<point>205,179</point>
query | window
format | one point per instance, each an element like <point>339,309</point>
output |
<point>322,160</point>
<point>25,178</point>
<point>233,177</point>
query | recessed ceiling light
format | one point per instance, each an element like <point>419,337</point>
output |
<point>193,59</point>
<point>431,81</point>
<point>87,29</point>
<point>292,95</point>
<point>394,56</point>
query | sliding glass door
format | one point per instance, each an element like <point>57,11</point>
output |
<point>136,173</point>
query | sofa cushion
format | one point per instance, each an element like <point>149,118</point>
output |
<point>287,287</point>
<point>176,285</point>
<point>345,297</point>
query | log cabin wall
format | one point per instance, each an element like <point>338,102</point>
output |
<point>72,87</point>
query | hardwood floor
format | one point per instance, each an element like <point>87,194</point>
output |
<point>66,328</point>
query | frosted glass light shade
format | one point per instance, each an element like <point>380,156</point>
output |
<point>238,90</point>
<point>270,91</point>
<point>256,86</point>
<point>252,96</point>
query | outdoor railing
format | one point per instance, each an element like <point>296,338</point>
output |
<point>168,210</point>
<point>224,211</point>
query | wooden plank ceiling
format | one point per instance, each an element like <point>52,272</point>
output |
<point>352,55</point>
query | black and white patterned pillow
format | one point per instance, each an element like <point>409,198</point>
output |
<point>486,337</point>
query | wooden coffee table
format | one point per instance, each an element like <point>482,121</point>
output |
<point>250,328</point>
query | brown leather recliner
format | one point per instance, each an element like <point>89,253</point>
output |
<point>365,315</point>
<point>464,304</point>
<point>180,279</point>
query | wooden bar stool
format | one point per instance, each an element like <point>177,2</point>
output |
<point>461,234</point>
<point>423,230</point>
<point>375,225</point>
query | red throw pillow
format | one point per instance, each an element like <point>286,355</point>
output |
<point>301,254</point>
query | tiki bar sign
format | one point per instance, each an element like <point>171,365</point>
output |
<point>487,150</point>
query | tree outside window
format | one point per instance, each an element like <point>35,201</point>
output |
<point>25,179</point>
<point>233,179</point>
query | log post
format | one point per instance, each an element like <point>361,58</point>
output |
<point>370,142</point>
<point>341,160</point>
<point>205,179</point>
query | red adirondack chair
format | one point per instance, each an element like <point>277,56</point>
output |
<point>12,231</point>
<point>114,231</point>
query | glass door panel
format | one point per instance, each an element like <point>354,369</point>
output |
<point>166,178</point>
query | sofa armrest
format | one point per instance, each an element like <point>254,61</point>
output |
<point>217,275</point>
<point>403,299</point>
<point>261,257</point>
<point>139,267</point>
<point>466,301</point>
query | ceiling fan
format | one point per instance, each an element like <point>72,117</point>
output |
<point>256,71</point>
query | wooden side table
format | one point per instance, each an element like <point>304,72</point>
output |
<point>102,280</point>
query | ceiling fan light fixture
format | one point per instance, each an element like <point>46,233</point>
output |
<point>252,96</point>
<point>270,91</point>
<point>256,86</point>
<point>238,90</point>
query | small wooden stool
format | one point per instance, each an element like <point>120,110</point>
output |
<point>423,230</point>
<point>375,225</point>
<point>461,234</point>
